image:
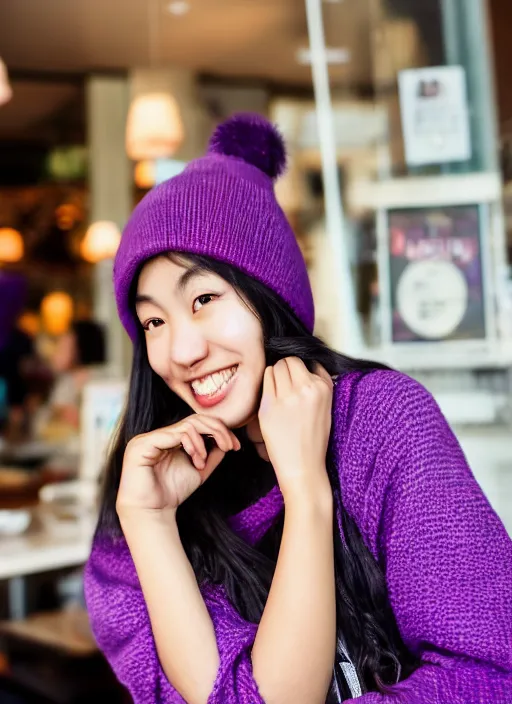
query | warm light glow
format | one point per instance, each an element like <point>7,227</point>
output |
<point>144,174</point>
<point>67,215</point>
<point>57,312</point>
<point>5,88</point>
<point>100,242</point>
<point>154,128</point>
<point>30,323</point>
<point>11,245</point>
<point>178,7</point>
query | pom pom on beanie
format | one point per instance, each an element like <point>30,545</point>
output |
<point>254,140</point>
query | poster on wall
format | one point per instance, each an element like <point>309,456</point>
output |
<point>435,265</point>
<point>435,115</point>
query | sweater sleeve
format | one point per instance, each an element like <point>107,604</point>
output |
<point>446,556</point>
<point>121,626</point>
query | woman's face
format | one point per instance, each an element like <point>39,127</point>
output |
<point>64,357</point>
<point>202,339</point>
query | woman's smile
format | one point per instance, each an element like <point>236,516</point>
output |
<point>210,390</point>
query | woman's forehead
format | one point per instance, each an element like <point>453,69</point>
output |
<point>163,276</point>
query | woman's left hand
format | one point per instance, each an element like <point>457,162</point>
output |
<point>295,422</point>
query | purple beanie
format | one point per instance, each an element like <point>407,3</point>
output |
<point>222,206</point>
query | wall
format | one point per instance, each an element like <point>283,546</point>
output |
<point>501,25</point>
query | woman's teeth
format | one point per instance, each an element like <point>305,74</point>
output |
<point>212,384</point>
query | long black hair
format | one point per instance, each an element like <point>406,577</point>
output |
<point>365,620</point>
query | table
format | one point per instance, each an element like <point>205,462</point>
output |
<point>49,544</point>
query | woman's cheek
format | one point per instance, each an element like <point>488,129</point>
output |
<point>239,326</point>
<point>155,357</point>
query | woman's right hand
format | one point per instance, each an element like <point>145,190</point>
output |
<point>162,468</point>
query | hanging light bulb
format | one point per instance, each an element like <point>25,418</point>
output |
<point>144,174</point>
<point>154,128</point>
<point>100,242</point>
<point>57,312</point>
<point>30,323</point>
<point>11,245</point>
<point>5,87</point>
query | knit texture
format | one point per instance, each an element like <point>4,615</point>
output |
<point>445,554</point>
<point>222,206</point>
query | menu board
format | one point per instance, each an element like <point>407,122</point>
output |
<point>435,264</point>
<point>435,115</point>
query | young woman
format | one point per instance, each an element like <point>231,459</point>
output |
<point>280,523</point>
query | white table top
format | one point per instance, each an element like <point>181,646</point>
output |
<point>50,543</point>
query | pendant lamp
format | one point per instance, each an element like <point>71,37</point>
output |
<point>57,312</point>
<point>144,174</point>
<point>100,242</point>
<point>5,88</point>
<point>154,129</point>
<point>11,245</point>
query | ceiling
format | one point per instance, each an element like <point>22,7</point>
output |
<point>50,46</point>
<point>234,38</point>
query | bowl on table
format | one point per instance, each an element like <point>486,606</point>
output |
<point>14,521</point>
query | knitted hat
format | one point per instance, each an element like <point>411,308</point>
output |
<point>222,206</point>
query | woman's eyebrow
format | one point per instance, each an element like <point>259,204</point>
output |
<point>187,276</point>
<point>143,298</point>
<point>181,284</point>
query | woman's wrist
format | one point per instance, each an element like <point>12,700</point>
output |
<point>315,494</point>
<point>137,520</point>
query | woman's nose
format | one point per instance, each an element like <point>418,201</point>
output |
<point>188,345</point>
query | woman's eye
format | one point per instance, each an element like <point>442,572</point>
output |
<point>152,324</point>
<point>200,301</point>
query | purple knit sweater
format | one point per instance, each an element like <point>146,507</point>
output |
<point>445,554</point>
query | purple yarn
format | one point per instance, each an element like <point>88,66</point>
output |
<point>253,139</point>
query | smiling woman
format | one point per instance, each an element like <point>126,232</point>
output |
<point>274,513</point>
<point>202,339</point>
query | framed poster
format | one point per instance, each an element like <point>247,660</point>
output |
<point>436,274</point>
<point>435,115</point>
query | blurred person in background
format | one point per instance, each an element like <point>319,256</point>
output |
<point>280,523</point>
<point>79,356</point>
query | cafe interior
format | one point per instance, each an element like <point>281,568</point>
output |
<point>99,101</point>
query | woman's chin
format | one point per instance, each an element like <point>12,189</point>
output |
<point>233,419</point>
<point>227,411</point>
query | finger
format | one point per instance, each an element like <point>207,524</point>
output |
<point>323,374</point>
<point>196,439</point>
<point>158,442</point>
<point>298,371</point>
<point>191,450</point>
<point>225,439</point>
<point>283,379</point>
<point>269,390</point>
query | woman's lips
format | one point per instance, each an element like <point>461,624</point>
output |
<point>210,400</point>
